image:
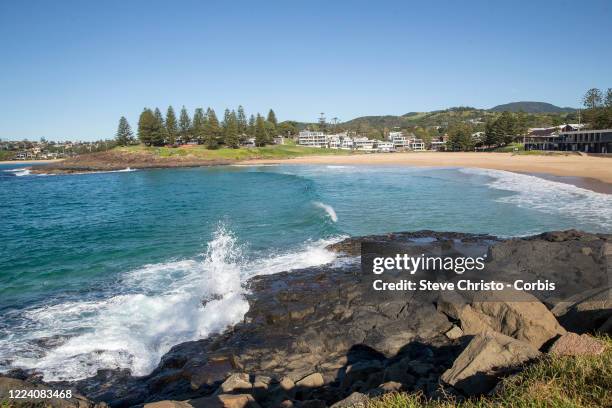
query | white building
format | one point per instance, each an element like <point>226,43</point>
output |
<point>334,141</point>
<point>363,143</point>
<point>417,145</point>
<point>385,147</point>
<point>312,139</point>
<point>347,143</point>
<point>398,140</point>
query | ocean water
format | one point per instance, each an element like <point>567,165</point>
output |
<point>109,270</point>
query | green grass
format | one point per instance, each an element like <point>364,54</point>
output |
<point>551,382</point>
<point>268,152</point>
<point>6,155</point>
<point>510,148</point>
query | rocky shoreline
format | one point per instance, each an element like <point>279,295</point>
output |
<point>113,161</point>
<point>322,337</point>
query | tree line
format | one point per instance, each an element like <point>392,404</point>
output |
<point>598,108</point>
<point>203,128</point>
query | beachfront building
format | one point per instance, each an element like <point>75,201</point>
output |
<point>398,140</point>
<point>549,138</point>
<point>312,139</point>
<point>385,147</point>
<point>438,145</point>
<point>347,143</point>
<point>363,143</point>
<point>588,141</point>
<point>334,141</point>
<point>417,145</point>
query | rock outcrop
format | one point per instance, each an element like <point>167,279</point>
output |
<point>322,336</point>
<point>485,359</point>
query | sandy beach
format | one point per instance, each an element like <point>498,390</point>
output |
<point>593,173</point>
<point>30,161</point>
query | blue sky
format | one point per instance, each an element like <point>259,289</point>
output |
<point>70,69</point>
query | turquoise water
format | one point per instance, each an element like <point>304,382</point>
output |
<point>111,269</point>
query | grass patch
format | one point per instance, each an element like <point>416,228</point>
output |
<point>550,382</point>
<point>511,148</point>
<point>243,153</point>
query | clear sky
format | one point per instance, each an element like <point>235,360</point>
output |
<point>70,69</point>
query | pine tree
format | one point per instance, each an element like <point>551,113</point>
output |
<point>124,134</point>
<point>159,136</point>
<point>272,118</point>
<point>147,126</point>
<point>241,122</point>
<point>271,126</point>
<point>211,130</point>
<point>184,126</point>
<point>251,127</point>
<point>198,125</point>
<point>232,139</point>
<point>261,136</point>
<point>171,125</point>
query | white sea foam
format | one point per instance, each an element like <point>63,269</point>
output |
<point>550,196</point>
<point>163,305</point>
<point>19,171</point>
<point>328,209</point>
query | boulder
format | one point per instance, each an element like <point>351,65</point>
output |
<point>238,382</point>
<point>588,311</point>
<point>454,333</point>
<point>526,319</point>
<point>486,357</point>
<point>225,401</point>
<point>355,400</point>
<point>311,381</point>
<point>572,344</point>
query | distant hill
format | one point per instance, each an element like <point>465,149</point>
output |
<point>459,114</point>
<point>531,107</point>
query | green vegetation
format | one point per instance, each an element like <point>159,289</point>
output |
<point>551,382</point>
<point>202,152</point>
<point>530,107</point>
<point>511,148</point>
<point>204,128</point>
<point>124,135</point>
<point>6,155</point>
<point>598,106</point>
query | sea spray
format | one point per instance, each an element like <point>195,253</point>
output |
<point>328,209</point>
<point>163,305</point>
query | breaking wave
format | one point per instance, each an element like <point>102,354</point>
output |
<point>160,305</point>
<point>19,171</point>
<point>328,209</point>
<point>550,196</point>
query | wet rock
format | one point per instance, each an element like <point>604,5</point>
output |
<point>487,357</point>
<point>572,344</point>
<point>328,320</point>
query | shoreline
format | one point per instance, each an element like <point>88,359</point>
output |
<point>46,161</point>
<point>588,172</point>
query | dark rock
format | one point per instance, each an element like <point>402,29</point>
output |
<point>328,320</point>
